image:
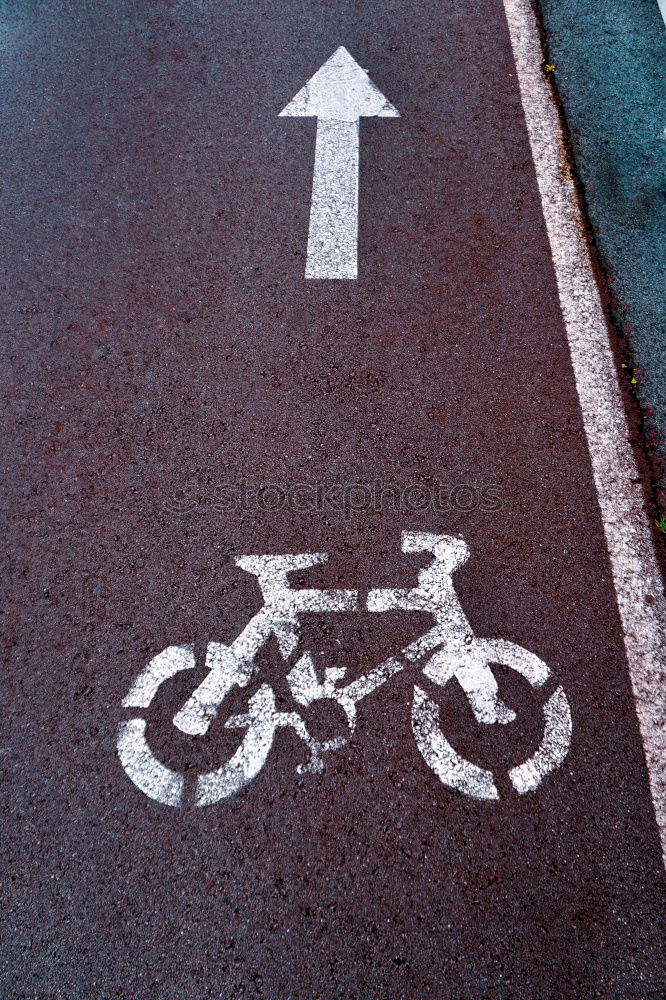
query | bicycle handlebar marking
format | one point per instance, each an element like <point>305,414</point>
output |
<point>449,650</point>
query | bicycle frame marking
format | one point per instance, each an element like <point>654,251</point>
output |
<point>450,650</point>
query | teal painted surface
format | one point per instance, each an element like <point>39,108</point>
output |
<point>610,58</point>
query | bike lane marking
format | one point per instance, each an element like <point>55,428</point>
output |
<point>636,575</point>
<point>452,649</point>
<point>338,95</point>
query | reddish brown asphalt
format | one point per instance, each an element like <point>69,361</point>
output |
<point>160,341</point>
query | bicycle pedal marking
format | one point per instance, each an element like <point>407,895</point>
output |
<point>448,650</point>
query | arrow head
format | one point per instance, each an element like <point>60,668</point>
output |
<point>340,91</point>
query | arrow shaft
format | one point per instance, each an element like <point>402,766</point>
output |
<point>333,235</point>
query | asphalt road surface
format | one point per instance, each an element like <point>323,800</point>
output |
<point>167,361</point>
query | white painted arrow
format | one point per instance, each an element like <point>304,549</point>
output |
<point>337,95</point>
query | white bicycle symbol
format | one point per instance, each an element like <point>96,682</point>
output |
<point>449,649</point>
